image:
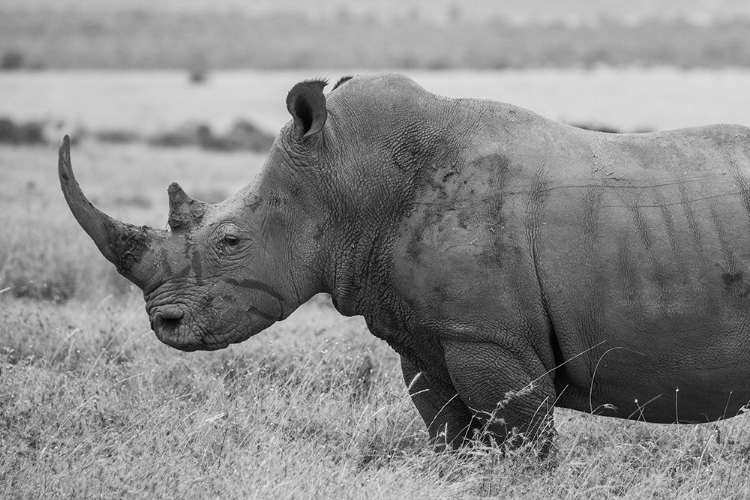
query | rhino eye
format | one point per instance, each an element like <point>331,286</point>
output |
<point>231,239</point>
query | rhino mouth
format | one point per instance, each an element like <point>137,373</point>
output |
<point>175,326</point>
<point>176,334</point>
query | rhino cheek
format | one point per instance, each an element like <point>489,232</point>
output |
<point>230,327</point>
<point>241,313</point>
<point>244,317</point>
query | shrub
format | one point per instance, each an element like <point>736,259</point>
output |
<point>245,135</point>
<point>21,133</point>
<point>188,134</point>
<point>116,136</point>
<point>12,60</point>
<point>242,136</point>
<point>198,69</point>
<point>197,75</point>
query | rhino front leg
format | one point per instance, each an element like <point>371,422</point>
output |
<point>449,421</point>
<point>510,393</point>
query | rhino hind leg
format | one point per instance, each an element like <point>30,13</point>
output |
<point>511,396</point>
<point>449,422</point>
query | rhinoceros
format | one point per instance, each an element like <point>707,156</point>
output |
<point>514,263</point>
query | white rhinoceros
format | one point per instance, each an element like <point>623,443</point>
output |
<point>513,262</point>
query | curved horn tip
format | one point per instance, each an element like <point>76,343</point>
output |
<point>63,163</point>
<point>120,243</point>
<point>174,187</point>
<point>177,194</point>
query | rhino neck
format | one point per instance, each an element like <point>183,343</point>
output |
<point>360,275</point>
<point>380,186</point>
<point>360,249</point>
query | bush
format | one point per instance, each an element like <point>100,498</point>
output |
<point>242,136</point>
<point>58,289</point>
<point>21,133</point>
<point>116,136</point>
<point>12,60</point>
<point>245,135</point>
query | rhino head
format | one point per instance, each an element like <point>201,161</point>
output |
<point>224,272</point>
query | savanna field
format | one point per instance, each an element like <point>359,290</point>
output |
<point>93,405</point>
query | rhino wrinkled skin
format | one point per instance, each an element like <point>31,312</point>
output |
<point>514,263</point>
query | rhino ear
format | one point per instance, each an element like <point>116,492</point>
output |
<point>307,105</point>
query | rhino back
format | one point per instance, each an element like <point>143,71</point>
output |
<point>643,257</point>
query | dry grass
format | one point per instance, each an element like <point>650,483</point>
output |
<point>92,405</point>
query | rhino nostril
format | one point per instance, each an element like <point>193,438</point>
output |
<point>167,319</point>
<point>168,323</point>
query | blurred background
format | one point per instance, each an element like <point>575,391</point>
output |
<point>126,69</point>
<point>155,91</point>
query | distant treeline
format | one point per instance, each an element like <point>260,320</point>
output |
<point>243,135</point>
<point>203,41</point>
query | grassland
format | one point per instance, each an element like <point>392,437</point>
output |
<point>92,405</point>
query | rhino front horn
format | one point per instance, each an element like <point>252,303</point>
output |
<point>184,212</point>
<point>124,245</point>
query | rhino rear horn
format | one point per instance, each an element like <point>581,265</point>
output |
<point>184,211</point>
<point>124,245</point>
<point>307,105</point>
